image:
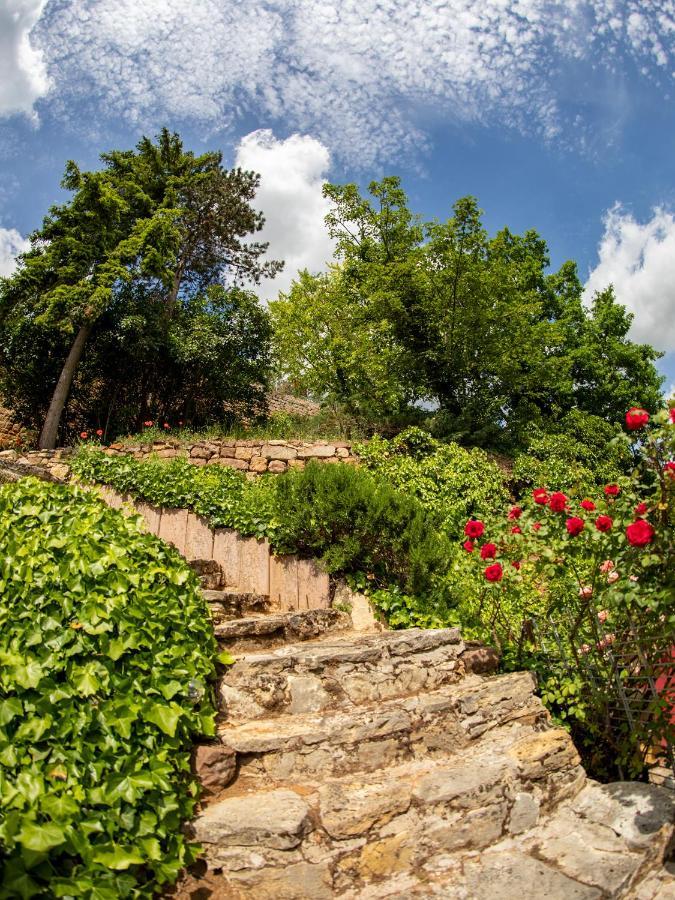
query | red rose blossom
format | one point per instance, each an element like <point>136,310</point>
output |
<point>540,496</point>
<point>670,468</point>
<point>558,502</point>
<point>588,505</point>
<point>515,564</point>
<point>166,425</point>
<point>99,432</point>
<point>83,435</point>
<point>641,509</point>
<point>575,525</point>
<point>640,533</point>
<point>604,523</point>
<point>536,526</point>
<point>148,424</point>
<point>494,572</point>
<point>474,528</point>
<point>488,551</point>
<point>636,418</point>
<point>516,529</point>
<point>468,546</point>
<point>515,512</point>
<point>671,414</point>
<point>612,490</point>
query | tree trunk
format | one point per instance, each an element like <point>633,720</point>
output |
<point>50,429</point>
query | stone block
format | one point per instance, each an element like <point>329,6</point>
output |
<point>258,464</point>
<point>359,607</point>
<point>227,452</point>
<point>275,819</point>
<point>342,452</point>
<point>254,577</point>
<point>200,453</point>
<point>229,461</point>
<point>215,765</point>
<point>276,466</point>
<point>284,582</point>
<point>278,451</point>
<point>173,527</point>
<point>316,451</point>
<point>226,552</point>
<point>198,538</point>
<point>243,452</point>
<point>313,586</point>
<point>151,515</point>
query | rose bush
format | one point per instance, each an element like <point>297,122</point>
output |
<point>585,593</point>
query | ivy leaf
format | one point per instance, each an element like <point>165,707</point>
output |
<point>164,717</point>
<point>119,858</point>
<point>41,838</point>
<point>9,708</point>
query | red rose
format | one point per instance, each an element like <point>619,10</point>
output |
<point>515,564</point>
<point>612,490</point>
<point>588,505</point>
<point>83,435</point>
<point>99,432</point>
<point>516,529</point>
<point>474,528</point>
<point>670,468</point>
<point>671,414</point>
<point>640,533</point>
<point>488,551</point>
<point>636,418</point>
<point>515,512</point>
<point>641,509</point>
<point>540,496</point>
<point>166,425</point>
<point>494,572</point>
<point>604,523</point>
<point>468,546</point>
<point>575,525</point>
<point>536,526</point>
<point>148,424</point>
<point>558,502</point>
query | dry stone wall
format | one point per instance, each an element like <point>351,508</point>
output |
<point>256,456</point>
<point>11,432</point>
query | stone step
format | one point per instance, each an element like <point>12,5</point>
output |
<point>228,605</point>
<point>465,827</point>
<point>209,572</point>
<point>354,829</point>
<point>253,633</point>
<point>340,671</point>
<point>365,738</point>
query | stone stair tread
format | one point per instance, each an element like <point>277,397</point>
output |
<point>379,719</point>
<point>352,647</point>
<point>264,624</point>
<point>224,595</point>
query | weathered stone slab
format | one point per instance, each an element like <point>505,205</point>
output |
<point>111,497</point>
<point>254,573</point>
<point>270,451</point>
<point>198,538</point>
<point>215,765</point>
<point>313,586</point>
<point>316,451</point>
<point>226,553</point>
<point>284,582</point>
<point>173,527</point>
<point>151,515</point>
<point>350,810</point>
<point>275,819</point>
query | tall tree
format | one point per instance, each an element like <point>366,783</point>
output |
<point>158,217</point>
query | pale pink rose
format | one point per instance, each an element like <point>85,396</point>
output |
<point>607,566</point>
<point>633,578</point>
<point>612,577</point>
<point>585,648</point>
<point>586,591</point>
<point>602,615</point>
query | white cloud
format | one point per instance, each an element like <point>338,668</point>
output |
<point>23,74</point>
<point>291,177</point>
<point>639,260</point>
<point>360,74</point>
<point>11,244</point>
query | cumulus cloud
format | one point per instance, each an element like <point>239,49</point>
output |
<point>11,244</point>
<point>639,260</point>
<point>291,178</point>
<point>360,74</point>
<point>23,74</point>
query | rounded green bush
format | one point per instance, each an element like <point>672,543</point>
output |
<point>106,653</point>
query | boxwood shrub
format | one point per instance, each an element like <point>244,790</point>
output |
<point>106,653</point>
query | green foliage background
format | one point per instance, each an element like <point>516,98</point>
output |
<point>106,652</point>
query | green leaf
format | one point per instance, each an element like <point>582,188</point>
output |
<point>119,858</point>
<point>41,838</point>
<point>226,658</point>
<point>166,718</point>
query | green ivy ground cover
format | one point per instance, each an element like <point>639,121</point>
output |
<point>106,653</point>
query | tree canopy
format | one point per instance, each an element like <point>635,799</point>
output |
<point>444,315</point>
<point>148,256</point>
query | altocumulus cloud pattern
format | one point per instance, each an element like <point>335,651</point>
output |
<point>361,75</point>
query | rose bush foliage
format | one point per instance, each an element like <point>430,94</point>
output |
<point>106,653</point>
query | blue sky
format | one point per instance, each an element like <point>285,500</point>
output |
<point>557,116</point>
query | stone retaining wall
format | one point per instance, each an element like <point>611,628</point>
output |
<point>10,432</point>
<point>254,456</point>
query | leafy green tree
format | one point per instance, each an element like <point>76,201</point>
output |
<point>158,218</point>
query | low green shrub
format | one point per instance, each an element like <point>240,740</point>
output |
<point>106,653</point>
<point>448,480</point>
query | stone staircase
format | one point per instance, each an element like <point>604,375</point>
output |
<point>383,765</point>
